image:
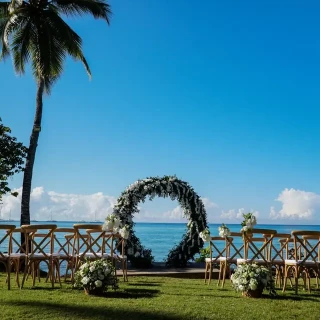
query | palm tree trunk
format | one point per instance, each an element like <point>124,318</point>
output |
<point>27,177</point>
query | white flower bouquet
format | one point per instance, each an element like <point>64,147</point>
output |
<point>249,222</point>
<point>252,277</point>
<point>124,232</point>
<point>224,231</point>
<point>96,276</point>
<point>205,235</point>
<point>112,223</point>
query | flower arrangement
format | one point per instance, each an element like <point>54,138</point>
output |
<point>142,258</point>
<point>124,231</point>
<point>96,276</point>
<point>251,277</point>
<point>112,222</point>
<point>249,222</point>
<point>127,206</point>
<point>224,231</point>
<point>205,235</point>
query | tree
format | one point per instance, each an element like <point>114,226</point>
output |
<point>12,155</point>
<point>34,31</point>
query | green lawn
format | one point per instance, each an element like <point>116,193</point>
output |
<point>153,298</point>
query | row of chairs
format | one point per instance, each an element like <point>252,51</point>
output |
<point>57,246</point>
<point>289,255</point>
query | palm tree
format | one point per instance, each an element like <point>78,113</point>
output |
<point>34,31</point>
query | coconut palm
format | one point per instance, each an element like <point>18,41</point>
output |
<point>34,31</point>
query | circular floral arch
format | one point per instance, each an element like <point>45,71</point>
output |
<point>167,186</point>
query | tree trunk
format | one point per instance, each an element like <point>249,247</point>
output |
<point>27,177</point>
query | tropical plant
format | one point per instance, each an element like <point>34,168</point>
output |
<point>204,253</point>
<point>35,32</point>
<point>12,155</point>
<point>142,259</point>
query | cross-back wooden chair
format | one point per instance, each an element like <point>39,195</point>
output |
<point>40,249</point>
<point>236,248</point>
<point>18,252</point>
<point>88,243</point>
<point>6,248</point>
<point>279,253</point>
<point>258,244</point>
<point>118,253</point>
<point>307,239</point>
<point>306,257</point>
<point>62,245</point>
<point>219,254</point>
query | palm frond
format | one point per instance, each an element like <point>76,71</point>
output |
<point>68,38</point>
<point>21,46</point>
<point>99,9</point>
<point>4,19</point>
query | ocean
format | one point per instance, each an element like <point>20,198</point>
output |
<point>161,237</point>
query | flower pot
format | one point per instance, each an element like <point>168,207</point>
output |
<point>253,293</point>
<point>95,291</point>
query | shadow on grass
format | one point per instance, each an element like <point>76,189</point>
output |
<point>133,293</point>
<point>90,312</point>
<point>144,284</point>
<point>293,297</point>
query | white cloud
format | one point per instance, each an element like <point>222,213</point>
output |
<point>233,215</point>
<point>296,204</point>
<point>229,215</point>
<point>61,206</point>
<point>88,207</point>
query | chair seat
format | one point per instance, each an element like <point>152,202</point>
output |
<point>277,261</point>
<point>119,256</point>
<point>299,262</point>
<point>43,256</point>
<point>259,261</point>
<point>240,260</point>
<point>4,256</point>
<point>91,255</point>
<point>216,259</point>
<point>17,255</point>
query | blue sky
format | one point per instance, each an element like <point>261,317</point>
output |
<point>224,94</point>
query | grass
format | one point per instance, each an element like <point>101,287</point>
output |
<point>153,298</point>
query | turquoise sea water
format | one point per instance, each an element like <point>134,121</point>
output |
<point>161,237</point>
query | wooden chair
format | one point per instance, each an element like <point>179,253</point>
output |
<point>40,249</point>
<point>88,243</point>
<point>6,242</point>
<point>219,254</point>
<point>306,257</point>
<point>63,247</point>
<point>118,254</point>
<point>279,253</point>
<point>257,245</point>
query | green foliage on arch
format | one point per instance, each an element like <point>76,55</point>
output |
<point>167,186</point>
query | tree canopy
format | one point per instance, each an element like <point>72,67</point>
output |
<point>12,155</point>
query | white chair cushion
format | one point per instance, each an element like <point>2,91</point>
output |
<point>216,259</point>
<point>295,262</point>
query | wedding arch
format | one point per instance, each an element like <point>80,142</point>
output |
<point>167,186</point>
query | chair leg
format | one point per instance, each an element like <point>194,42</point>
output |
<point>285,278</point>
<point>210,273</point>
<point>8,272</point>
<point>205,272</point>
<point>296,275</point>
<point>224,273</point>
<point>26,269</point>
<point>220,273</point>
